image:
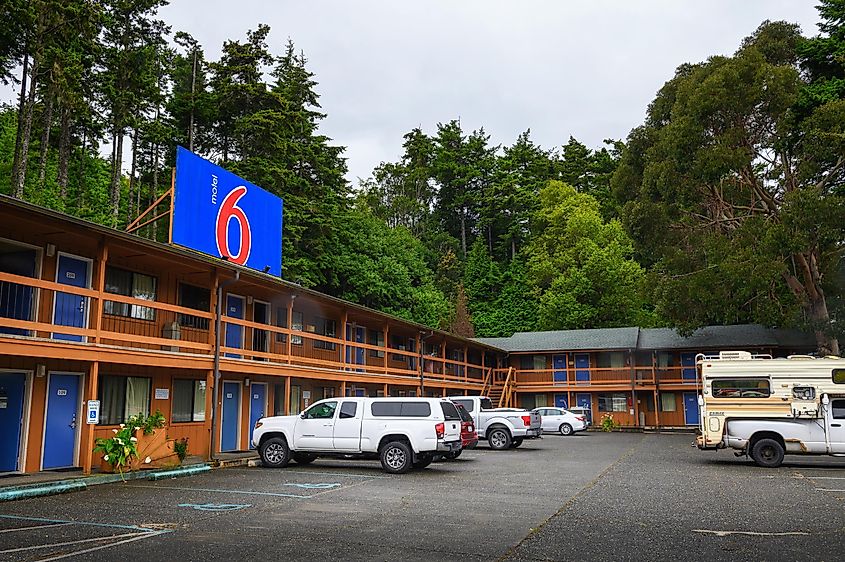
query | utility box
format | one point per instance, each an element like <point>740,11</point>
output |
<point>171,331</point>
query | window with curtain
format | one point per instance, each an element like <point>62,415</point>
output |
<point>667,402</point>
<point>613,402</point>
<point>123,397</point>
<point>188,400</point>
<point>296,324</point>
<point>130,284</point>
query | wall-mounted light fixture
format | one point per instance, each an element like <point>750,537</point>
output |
<point>40,370</point>
<point>51,250</point>
<point>249,299</point>
<point>246,381</point>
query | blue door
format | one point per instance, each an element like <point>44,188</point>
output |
<point>231,416</point>
<point>559,365</point>
<point>257,405</point>
<point>584,400</point>
<point>355,355</point>
<point>12,387</point>
<point>60,429</point>
<point>15,299</point>
<point>560,401</point>
<point>688,367</point>
<point>582,367</point>
<point>690,408</point>
<point>234,332</point>
<point>71,310</point>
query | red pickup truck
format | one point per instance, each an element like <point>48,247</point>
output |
<point>469,435</point>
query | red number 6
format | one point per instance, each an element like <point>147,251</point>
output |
<point>229,210</point>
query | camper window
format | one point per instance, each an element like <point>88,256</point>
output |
<point>838,376</point>
<point>741,388</point>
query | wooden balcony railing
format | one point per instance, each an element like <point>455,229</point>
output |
<point>528,379</point>
<point>33,308</point>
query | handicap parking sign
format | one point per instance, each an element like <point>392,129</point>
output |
<point>93,409</point>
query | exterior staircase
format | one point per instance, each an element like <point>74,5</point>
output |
<point>500,392</point>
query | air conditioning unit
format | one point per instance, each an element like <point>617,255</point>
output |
<point>734,355</point>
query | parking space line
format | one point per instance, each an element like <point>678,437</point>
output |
<point>108,525</point>
<point>66,543</point>
<point>750,533</point>
<point>138,537</point>
<point>828,490</point>
<point>214,490</point>
<point>824,477</point>
<point>34,527</point>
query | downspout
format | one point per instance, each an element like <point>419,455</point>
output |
<point>217,322</point>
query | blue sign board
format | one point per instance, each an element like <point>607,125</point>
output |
<point>218,213</point>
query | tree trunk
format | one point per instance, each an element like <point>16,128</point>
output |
<point>193,87</point>
<point>464,231</point>
<point>64,155</point>
<point>20,178</point>
<point>117,163</point>
<point>810,295</point>
<point>21,105</point>
<point>134,201</point>
<point>45,137</point>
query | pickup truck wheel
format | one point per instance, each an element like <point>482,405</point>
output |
<point>275,453</point>
<point>499,439</point>
<point>767,453</point>
<point>565,429</point>
<point>423,461</point>
<point>304,458</point>
<point>516,442</point>
<point>395,457</point>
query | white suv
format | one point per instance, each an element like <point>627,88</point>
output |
<point>403,433</point>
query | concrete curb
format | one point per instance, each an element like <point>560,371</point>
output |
<point>11,493</point>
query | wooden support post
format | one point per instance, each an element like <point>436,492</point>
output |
<point>209,397</point>
<point>443,357</point>
<point>421,359</point>
<point>343,388</point>
<point>97,306</point>
<point>290,339</point>
<point>345,339</point>
<point>91,394</point>
<point>386,347</point>
<point>656,410</point>
<point>287,395</point>
<point>212,324</point>
<point>465,366</point>
<point>386,390</point>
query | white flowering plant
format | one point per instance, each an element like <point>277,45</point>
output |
<point>120,449</point>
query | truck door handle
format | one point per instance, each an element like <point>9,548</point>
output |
<point>836,425</point>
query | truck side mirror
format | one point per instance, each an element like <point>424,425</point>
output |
<point>700,400</point>
<point>825,399</point>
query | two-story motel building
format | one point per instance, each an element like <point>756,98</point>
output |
<point>91,313</point>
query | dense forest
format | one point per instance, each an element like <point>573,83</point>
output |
<point>727,205</point>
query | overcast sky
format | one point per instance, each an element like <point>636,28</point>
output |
<point>585,68</point>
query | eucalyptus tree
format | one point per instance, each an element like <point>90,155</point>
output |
<point>732,196</point>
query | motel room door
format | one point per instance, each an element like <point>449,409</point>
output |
<point>257,405</point>
<point>12,390</point>
<point>230,424</point>
<point>60,429</point>
<point>71,310</point>
<point>559,366</point>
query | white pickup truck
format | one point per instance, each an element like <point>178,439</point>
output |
<point>503,428</point>
<point>403,433</point>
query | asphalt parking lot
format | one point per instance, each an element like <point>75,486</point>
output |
<point>589,497</point>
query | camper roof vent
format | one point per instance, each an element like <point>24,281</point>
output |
<point>800,357</point>
<point>734,355</point>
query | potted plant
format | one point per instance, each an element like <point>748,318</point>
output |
<point>153,445</point>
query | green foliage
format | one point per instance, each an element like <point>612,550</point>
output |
<point>120,449</point>
<point>608,423</point>
<point>732,195</point>
<point>580,266</point>
<point>148,424</point>
<point>180,447</point>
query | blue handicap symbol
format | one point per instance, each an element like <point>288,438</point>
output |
<point>215,506</point>
<point>323,486</point>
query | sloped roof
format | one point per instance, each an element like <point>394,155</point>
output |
<point>710,337</point>
<point>574,340</point>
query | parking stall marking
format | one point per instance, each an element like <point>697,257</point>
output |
<point>134,533</point>
<point>222,491</point>
<point>216,506</point>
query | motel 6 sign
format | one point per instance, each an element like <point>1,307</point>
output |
<point>222,215</point>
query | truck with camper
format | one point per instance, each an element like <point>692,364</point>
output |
<point>502,428</point>
<point>403,433</point>
<point>766,408</point>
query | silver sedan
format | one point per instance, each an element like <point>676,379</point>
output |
<point>558,420</point>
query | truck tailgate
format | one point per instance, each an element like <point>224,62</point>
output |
<point>453,431</point>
